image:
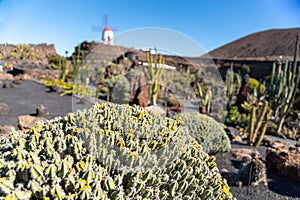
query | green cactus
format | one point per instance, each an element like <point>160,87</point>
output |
<point>258,123</point>
<point>154,73</point>
<point>283,87</point>
<point>108,151</point>
<point>208,132</point>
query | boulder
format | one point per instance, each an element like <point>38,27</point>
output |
<point>6,129</point>
<point>284,161</point>
<point>243,152</point>
<point>4,109</point>
<point>17,82</point>
<point>41,110</point>
<point>5,76</point>
<point>55,88</point>
<point>253,171</point>
<point>28,121</point>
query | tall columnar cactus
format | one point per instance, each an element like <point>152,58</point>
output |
<point>204,93</point>
<point>233,84</point>
<point>259,116</point>
<point>154,73</point>
<point>283,87</point>
<point>109,151</point>
<point>63,65</point>
<point>77,62</point>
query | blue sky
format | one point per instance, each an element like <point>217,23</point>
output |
<point>210,24</point>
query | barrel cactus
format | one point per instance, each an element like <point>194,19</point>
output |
<point>108,151</point>
<point>208,132</point>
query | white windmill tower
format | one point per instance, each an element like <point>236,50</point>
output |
<point>108,36</point>
<point>107,32</point>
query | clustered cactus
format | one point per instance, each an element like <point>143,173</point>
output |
<point>108,151</point>
<point>208,132</point>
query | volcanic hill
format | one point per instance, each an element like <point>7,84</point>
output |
<point>265,45</point>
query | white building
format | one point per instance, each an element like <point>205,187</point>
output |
<point>108,36</point>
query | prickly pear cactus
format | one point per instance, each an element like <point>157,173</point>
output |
<point>208,132</point>
<point>108,152</point>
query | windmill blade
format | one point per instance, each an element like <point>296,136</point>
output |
<point>105,20</point>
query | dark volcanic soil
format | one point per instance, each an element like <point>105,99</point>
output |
<point>24,98</point>
<point>278,187</point>
<point>266,43</point>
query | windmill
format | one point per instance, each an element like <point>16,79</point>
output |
<point>107,32</point>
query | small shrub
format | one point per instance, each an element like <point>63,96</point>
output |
<point>208,132</point>
<point>245,69</point>
<point>173,101</point>
<point>253,83</point>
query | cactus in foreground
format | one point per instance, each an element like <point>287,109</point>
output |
<point>74,157</point>
<point>208,132</point>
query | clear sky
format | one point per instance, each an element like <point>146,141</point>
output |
<point>211,24</point>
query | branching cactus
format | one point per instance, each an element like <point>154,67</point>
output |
<point>154,73</point>
<point>283,87</point>
<point>109,151</point>
<point>259,116</point>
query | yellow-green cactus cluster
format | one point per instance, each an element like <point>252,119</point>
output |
<point>208,132</point>
<point>108,151</point>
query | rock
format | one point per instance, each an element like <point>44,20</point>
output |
<point>253,171</point>
<point>25,77</point>
<point>55,88</point>
<point>17,82</point>
<point>27,121</point>
<point>6,76</point>
<point>4,109</point>
<point>267,141</point>
<point>41,110</point>
<point>6,129</point>
<point>231,177</point>
<point>9,85</point>
<point>284,161</point>
<point>231,132</point>
<point>278,145</point>
<point>243,152</point>
<point>237,139</point>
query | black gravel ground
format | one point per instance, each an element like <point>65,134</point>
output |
<point>278,187</point>
<point>24,98</point>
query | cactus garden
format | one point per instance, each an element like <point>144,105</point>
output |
<point>109,151</point>
<point>111,122</point>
